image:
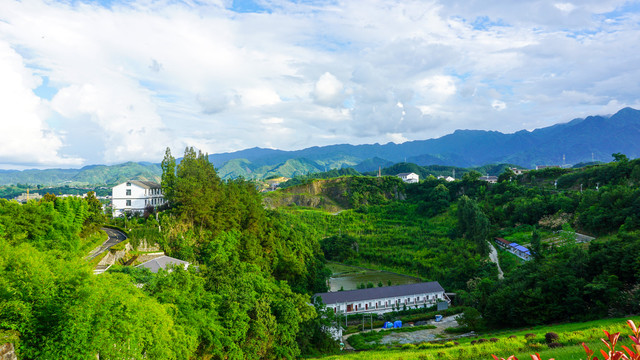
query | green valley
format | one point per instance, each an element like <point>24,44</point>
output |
<point>259,258</point>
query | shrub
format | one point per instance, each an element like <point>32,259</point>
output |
<point>526,336</point>
<point>480,341</point>
<point>493,339</point>
<point>610,342</point>
<point>551,337</point>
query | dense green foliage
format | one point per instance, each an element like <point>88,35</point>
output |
<point>566,280</point>
<point>345,192</point>
<point>246,295</point>
<point>442,170</point>
<point>12,191</point>
<point>473,224</point>
<point>57,307</point>
<point>256,271</point>
<point>396,237</point>
<point>441,232</point>
<point>253,270</point>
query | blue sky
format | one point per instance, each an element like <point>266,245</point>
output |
<point>104,82</point>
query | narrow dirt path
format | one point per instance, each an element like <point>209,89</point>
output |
<point>493,255</point>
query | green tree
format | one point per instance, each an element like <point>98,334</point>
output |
<point>471,318</point>
<point>168,175</point>
<point>506,175</point>
<point>536,244</point>
<point>112,318</point>
<point>197,189</point>
<point>620,158</point>
<point>340,247</point>
<point>473,223</point>
<point>471,176</point>
<point>95,214</point>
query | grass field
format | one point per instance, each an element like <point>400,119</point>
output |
<point>570,337</point>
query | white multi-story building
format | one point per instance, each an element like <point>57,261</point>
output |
<point>409,178</point>
<point>384,299</point>
<point>134,196</point>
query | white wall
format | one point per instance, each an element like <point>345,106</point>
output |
<point>129,196</point>
<point>431,299</point>
<point>411,178</point>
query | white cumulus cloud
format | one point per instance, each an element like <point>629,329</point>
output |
<point>127,80</point>
<point>397,138</point>
<point>498,105</point>
<point>27,138</point>
<point>328,90</point>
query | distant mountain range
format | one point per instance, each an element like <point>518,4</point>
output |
<point>579,140</point>
<point>88,175</point>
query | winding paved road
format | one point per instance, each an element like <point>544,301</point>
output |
<point>115,237</point>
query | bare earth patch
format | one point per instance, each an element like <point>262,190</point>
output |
<point>421,335</point>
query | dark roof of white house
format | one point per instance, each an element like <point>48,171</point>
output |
<point>162,262</point>
<point>380,292</point>
<point>146,184</point>
<point>406,174</point>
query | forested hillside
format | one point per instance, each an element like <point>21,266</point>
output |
<point>89,175</point>
<point>442,232</point>
<point>246,295</point>
<point>577,141</point>
<point>253,270</point>
<point>336,194</point>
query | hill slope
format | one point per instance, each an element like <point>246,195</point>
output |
<point>578,140</point>
<point>88,175</point>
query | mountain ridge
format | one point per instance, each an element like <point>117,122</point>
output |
<point>576,141</point>
<point>579,140</point>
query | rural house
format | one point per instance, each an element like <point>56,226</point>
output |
<point>514,248</point>
<point>489,179</point>
<point>409,178</point>
<point>135,196</point>
<point>446,178</point>
<point>384,299</point>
